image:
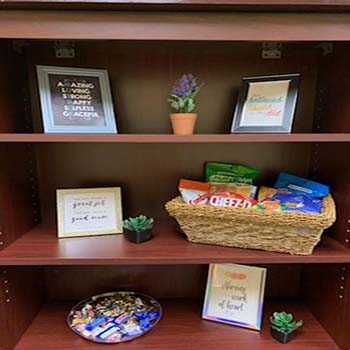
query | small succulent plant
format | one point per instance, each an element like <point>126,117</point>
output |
<point>283,322</point>
<point>139,223</point>
<point>183,93</point>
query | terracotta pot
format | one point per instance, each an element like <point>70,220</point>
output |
<point>183,123</point>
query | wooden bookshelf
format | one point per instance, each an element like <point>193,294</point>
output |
<point>145,46</point>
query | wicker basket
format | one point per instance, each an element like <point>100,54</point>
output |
<point>288,232</point>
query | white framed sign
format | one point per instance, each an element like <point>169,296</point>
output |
<point>75,100</point>
<point>235,295</point>
<point>266,104</point>
<point>89,212</point>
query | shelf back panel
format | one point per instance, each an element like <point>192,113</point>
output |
<point>333,108</point>
<point>165,281</point>
<point>329,164</point>
<point>142,74</point>
<point>149,174</point>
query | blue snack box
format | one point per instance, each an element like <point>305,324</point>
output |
<point>298,202</point>
<point>299,185</point>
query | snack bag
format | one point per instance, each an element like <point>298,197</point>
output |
<point>191,191</point>
<point>299,185</point>
<point>269,204</point>
<point>233,200</point>
<point>195,192</point>
<point>229,173</point>
<point>245,190</point>
<point>267,192</point>
<point>292,202</point>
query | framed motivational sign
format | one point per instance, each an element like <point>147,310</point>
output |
<point>235,295</point>
<point>75,100</point>
<point>89,212</point>
<point>266,104</point>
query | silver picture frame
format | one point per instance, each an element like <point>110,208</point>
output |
<point>54,105</point>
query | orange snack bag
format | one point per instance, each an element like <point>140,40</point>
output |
<point>191,191</point>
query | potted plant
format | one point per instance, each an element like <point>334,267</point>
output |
<point>138,229</point>
<point>283,326</point>
<point>182,101</point>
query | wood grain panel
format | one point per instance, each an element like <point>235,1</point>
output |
<point>41,246</point>
<point>142,75</point>
<point>180,328</point>
<point>21,295</point>
<point>333,91</point>
<point>170,138</point>
<point>149,174</point>
<point>13,116</point>
<point>181,5</point>
<point>334,171</point>
<point>15,188</point>
<point>174,26</point>
<point>327,292</point>
<point>265,3</point>
<point>162,281</point>
<point>16,213</point>
<point>327,289</point>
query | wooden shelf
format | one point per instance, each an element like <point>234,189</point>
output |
<point>180,5</point>
<point>174,26</point>
<point>300,4</point>
<point>40,246</point>
<point>170,138</point>
<point>180,328</point>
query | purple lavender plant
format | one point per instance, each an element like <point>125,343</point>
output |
<point>183,93</point>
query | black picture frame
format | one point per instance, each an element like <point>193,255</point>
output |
<point>285,125</point>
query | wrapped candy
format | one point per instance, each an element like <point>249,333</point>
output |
<point>114,317</point>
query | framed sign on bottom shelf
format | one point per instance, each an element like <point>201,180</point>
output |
<point>89,212</point>
<point>235,295</point>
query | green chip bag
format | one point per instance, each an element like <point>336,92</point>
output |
<point>230,173</point>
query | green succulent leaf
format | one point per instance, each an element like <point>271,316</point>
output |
<point>139,223</point>
<point>283,322</point>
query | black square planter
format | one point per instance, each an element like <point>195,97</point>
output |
<point>138,237</point>
<point>282,337</point>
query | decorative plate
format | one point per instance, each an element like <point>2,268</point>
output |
<point>114,317</point>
